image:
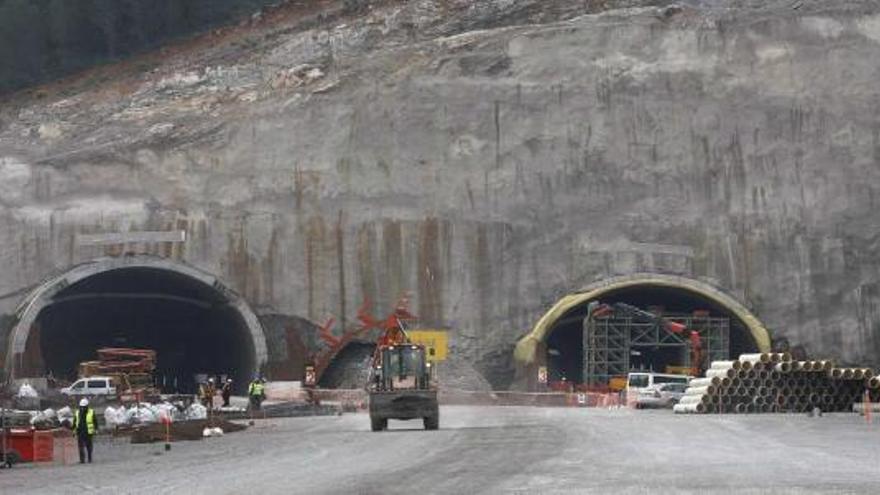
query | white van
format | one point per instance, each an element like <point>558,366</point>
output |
<point>93,385</point>
<point>638,381</point>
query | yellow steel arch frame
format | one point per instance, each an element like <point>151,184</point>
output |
<point>526,348</point>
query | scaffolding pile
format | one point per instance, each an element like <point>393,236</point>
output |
<point>772,382</point>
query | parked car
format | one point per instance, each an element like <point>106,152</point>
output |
<point>91,386</point>
<point>661,395</point>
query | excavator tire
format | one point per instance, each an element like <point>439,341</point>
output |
<point>432,422</point>
<point>378,424</point>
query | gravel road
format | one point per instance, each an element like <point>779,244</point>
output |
<point>492,450</point>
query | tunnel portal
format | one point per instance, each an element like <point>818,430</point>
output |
<point>195,327</point>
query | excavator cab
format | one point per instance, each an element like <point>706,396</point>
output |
<point>402,367</point>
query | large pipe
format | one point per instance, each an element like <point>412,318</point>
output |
<point>746,365</point>
<point>729,373</point>
<point>695,399</point>
<point>869,373</point>
<point>848,373</point>
<point>723,365</point>
<point>874,382</point>
<point>761,357</point>
<point>707,390</point>
<point>836,373</point>
<point>783,367</point>
<point>827,365</point>
<point>775,357</point>
<point>702,382</point>
<point>741,408</point>
<point>858,374</point>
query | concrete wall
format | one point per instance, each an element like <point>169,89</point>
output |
<point>489,173</point>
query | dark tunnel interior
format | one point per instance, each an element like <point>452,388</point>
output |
<point>189,324</point>
<point>565,345</point>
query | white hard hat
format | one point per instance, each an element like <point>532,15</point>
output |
<point>84,403</point>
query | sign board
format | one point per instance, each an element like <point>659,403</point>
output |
<point>436,343</point>
<point>309,380</point>
<point>542,374</point>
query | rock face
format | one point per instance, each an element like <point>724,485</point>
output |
<point>487,156</point>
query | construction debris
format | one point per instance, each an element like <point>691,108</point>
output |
<point>130,369</point>
<point>185,430</point>
<point>772,382</point>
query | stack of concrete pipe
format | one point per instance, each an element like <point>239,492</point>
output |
<point>772,382</point>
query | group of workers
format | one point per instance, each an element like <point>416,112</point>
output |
<point>256,393</point>
<point>85,422</point>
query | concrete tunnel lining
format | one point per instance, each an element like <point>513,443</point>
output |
<point>527,347</point>
<point>44,295</point>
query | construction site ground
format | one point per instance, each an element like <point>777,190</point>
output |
<point>492,450</point>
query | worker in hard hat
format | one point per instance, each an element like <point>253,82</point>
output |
<point>226,392</point>
<point>206,394</point>
<point>257,393</point>
<point>85,425</point>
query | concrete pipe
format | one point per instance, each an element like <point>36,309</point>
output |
<point>729,373</point>
<point>752,374</point>
<point>828,399</point>
<point>874,382</point>
<point>836,374</point>
<point>783,367</point>
<point>849,373</point>
<point>858,374</point>
<point>869,373</point>
<point>702,382</point>
<point>763,375</point>
<point>680,409</point>
<point>761,391</point>
<point>762,357</point>
<point>695,399</point>
<point>827,365</point>
<point>707,390</point>
<point>861,407</point>
<point>797,365</point>
<point>814,399</point>
<point>746,365</point>
<point>775,357</point>
<point>758,400</point>
<point>723,365</point>
<point>725,382</point>
<point>741,408</point>
<point>785,357</point>
<point>815,365</point>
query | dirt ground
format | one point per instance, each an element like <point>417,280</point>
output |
<point>492,450</point>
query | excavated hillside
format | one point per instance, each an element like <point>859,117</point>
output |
<point>487,156</point>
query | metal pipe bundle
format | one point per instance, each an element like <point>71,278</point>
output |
<point>772,382</point>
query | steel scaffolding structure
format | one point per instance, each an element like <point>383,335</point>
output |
<point>608,343</point>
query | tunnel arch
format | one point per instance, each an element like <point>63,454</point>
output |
<point>192,286</point>
<point>526,352</point>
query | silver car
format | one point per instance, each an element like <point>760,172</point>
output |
<point>661,395</point>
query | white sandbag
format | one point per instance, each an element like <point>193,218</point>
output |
<point>64,414</point>
<point>26,390</point>
<point>196,411</point>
